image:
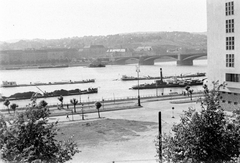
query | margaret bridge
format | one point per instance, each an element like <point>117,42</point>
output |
<point>181,59</point>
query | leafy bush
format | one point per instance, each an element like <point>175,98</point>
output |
<point>206,136</point>
<point>29,137</point>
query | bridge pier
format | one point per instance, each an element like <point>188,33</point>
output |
<point>188,62</point>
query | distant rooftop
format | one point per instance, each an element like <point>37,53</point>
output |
<point>143,48</point>
<point>116,50</point>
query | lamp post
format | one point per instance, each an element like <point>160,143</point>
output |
<point>138,70</point>
<point>103,103</point>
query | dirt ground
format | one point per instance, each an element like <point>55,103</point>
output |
<point>105,130</point>
<point>123,135</point>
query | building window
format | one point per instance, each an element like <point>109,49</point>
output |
<point>229,43</point>
<point>233,77</point>
<point>229,8</point>
<point>230,26</point>
<point>229,60</point>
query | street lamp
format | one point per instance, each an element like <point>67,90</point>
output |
<point>138,70</point>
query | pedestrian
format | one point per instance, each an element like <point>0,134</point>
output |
<point>67,117</point>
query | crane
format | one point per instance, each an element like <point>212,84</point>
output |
<point>41,90</point>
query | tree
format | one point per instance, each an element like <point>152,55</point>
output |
<point>43,104</point>
<point>60,98</point>
<point>98,106</point>
<point>6,103</point>
<point>74,102</point>
<point>189,92</point>
<point>29,137</point>
<point>206,136</point>
<point>13,107</point>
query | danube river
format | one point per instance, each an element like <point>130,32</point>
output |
<point>107,80</point>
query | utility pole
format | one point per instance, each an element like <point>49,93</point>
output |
<point>160,136</point>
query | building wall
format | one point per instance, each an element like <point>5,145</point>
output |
<point>217,49</point>
<point>216,21</point>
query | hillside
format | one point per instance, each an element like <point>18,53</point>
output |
<point>160,41</point>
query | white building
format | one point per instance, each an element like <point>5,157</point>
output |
<point>223,21</point>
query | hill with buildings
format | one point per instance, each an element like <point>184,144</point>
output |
<point>40,52</point>
<point>160,41</point>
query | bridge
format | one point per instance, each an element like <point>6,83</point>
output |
<point>181,59</point>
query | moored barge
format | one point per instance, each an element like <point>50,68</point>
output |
<point>56,93</point>
<point>7,84</point>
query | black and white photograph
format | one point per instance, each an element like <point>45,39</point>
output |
<point>120,81</point>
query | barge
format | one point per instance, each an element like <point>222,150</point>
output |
<point>7,84</point>
<point>171,83</point>
<point>56,93</point>
<point>128,78</point>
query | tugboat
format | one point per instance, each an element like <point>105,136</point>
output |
<point>169,83</point>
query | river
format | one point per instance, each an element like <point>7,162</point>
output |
<point>107,80</point>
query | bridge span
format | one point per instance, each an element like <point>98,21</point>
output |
<point>181,59</point>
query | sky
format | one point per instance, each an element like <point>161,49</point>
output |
<point>54,19</point>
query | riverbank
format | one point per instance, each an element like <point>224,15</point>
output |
<point>114,104</point>
<point>25,66</point>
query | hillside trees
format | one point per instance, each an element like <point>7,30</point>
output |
<point>29,137</point>
<point>206,136</point>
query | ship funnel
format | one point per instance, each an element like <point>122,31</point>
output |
<point>161,77</point>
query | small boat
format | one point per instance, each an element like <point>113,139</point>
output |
<point>7,84</point>
<point>96,65</point>
<point>62,92</point>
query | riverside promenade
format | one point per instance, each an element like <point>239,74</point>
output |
<point>116,105</point>
<point>125,132</point>
<point>88,107</point>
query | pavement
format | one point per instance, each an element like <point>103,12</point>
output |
<point>136,149</point>
<point>61,114</point>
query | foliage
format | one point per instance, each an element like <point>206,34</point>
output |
<point>98,106</point>
<point>29,137</point>
<point>13,107</point>
<point>42,104</point>
<point>7,103</point>
<point>74,102</point>
<point>205,136</point>
<point>60,98</point>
